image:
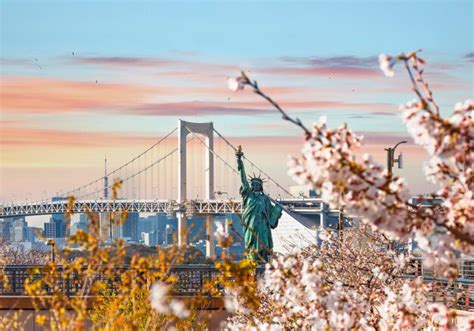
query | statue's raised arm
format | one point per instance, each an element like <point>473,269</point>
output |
<point>241,168</point>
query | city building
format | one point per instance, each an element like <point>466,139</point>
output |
<point>196,227</point>
<point>81,224</point>
<point>169,235</point>
<point>61,225</point>
<point>5,229</point>
<point>151,238</point>
<point>200,245</point>
<point>55,228</point>
<point>298,230</point>
<point>31,234</point>
<point>110,225</point>
<point>147,224</point>
<point>130,227</point>
<point>49,229</point>
<point>19,230</point>
<point>20,234</point>
<point>155,222</point>
<point>302,191</point>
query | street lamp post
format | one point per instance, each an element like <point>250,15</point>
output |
<point>340,223</point>
<point>391,159</point>
<point>51,243</point>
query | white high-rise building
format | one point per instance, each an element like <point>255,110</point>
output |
<point>19,230</point>
<point>110,226</point>
<point>150,238</point>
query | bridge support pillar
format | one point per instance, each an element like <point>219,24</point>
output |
<point>322,222</point>
<point>206,130</point>
<point>182,229</point>
<point>210,240</point>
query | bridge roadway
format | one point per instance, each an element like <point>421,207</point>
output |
<point>190,207</point>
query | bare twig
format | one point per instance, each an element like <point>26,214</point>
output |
<point>284,115</point>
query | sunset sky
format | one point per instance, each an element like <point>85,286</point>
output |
<point>81,79</point>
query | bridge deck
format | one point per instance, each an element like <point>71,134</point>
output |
<point>191,207</point>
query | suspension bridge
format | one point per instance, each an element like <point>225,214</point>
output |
<point>190,171</point>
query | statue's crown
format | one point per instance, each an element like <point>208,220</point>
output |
<point>258,179</point>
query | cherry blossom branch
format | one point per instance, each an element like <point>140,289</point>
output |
<point>238,83</point>
<point>367,191</point>
<point>424,84</point>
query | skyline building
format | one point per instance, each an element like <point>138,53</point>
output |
<point>82,224</point>
<point>55,228</point>
<point>160,229</point>
<point>110,226</point>
<point>151,238</point>
<point>61,227</point>
<point>169,235</point>
<point>130,227</point>
<point>19,230</point>
<point>6,229</point>
<point>49,229</point>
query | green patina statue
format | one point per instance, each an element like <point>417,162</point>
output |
<point>259,215</point>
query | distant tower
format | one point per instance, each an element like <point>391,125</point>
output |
<point>106,182</point>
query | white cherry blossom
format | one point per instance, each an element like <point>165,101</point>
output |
<point>312,289</point>
<point>235,84</point>
<point>158,297</point>
<point>386,64</point>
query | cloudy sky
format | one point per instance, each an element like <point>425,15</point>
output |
<point>80,79</point>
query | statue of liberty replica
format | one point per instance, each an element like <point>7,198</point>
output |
<point>259,215</point>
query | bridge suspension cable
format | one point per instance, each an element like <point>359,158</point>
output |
<point>140,170</point>
<point>253,164</point>
<point>232,167</point>
<point>136,174</point>
<point>122,167</point>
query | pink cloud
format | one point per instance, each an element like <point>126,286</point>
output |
<point>47,95</point>
<point>27,137</point>
<point>121,61</point>
<point>159,63</point>
<point>194,108</point>
<point>347,72</point>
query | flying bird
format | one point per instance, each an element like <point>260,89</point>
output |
<point>39,66</point>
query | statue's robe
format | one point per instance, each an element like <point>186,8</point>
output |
<point>259,217</point>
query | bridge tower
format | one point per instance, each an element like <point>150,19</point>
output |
<point>207,130</point>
